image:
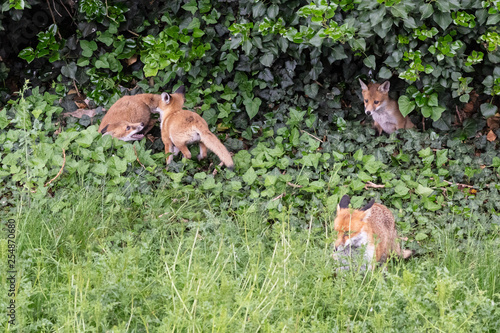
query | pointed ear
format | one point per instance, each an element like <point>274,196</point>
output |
<point>363,85</point>
<point>344,202</point>
<point>181,90</point>
<point>105,129</point>
<point>384,87</point>
<point>368,205</point>
<point>165,97</point>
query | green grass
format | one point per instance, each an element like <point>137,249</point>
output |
<point>88,263</point>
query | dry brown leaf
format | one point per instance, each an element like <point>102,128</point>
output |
<point>132,60</point>
<point>80,113</point>
<point>491,136</point>
<point>471,106</point>
<point>493,122</point>
<point>72,91</point>
<point>81,104</point>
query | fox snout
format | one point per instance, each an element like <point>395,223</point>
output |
<point>368,112</point>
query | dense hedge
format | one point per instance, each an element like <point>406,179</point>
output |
<point>241,59</point>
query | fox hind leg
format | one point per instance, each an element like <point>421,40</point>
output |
<point>203,151</point>
<point>184,150</point>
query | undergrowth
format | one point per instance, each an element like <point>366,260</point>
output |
<point>146,268</point>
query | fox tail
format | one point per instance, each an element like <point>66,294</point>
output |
<point>213,143</point>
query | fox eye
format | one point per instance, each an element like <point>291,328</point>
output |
<point>128,127</point>
<point>376,102</point>
<point>366,101</point>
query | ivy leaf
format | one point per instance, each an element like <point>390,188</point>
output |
<point>420,236</point>
<point>384,73</point>
<point>252,106</point>
<point>442,19</point>
<point>100,169</point>
<point>370,62</point>
<point>191,6</point>
<point>69,70</point>
<point>423,190</point>
<point>437,111</point>
<point>488,110</point>
<point>249,176</point>
<point>311,90</point>
<point>4,121</point>
<point>88,47</point>
<point>401,190</point>
<point>405,105</point>
<point>442,157</point>
<point>267,59</point>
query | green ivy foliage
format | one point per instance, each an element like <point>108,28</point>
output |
<point>242,59</point>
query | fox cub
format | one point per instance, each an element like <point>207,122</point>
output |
<point>180,127</point>
<point>130,117</point>
<point>371,226</point>
<point>383,109</point>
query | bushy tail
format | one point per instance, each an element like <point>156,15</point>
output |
<point>212,142</point>
<point>402,252</point>
<point>407,253</point>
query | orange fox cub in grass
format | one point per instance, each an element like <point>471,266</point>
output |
<point>371,226</point>
<point>130,117</point>
<point>383,109</point>
<point>181,127</point>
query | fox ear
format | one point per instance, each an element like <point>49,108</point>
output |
<point>165,97</point>
<point>181,90</point>
<point>344,202</point>
<point>105,129</point>
<point>368,205</point>
<point>384,87</point>
<point>363,85</point>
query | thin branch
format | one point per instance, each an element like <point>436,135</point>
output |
<point>134,33</point>
<point>279,197</point>
<point>373,185</point>
<point>294,185</point>
<point>312,136</point>
<point>60,170</point>
<point>458,114</point>
<point>137,156</point>
<point>76,88</point>
<point>458,184</point>
<point>53,19</point>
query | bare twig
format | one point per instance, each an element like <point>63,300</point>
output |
<point>312,136</point>
<point>279,197</point>
<point>373,185</point>
<point>53,19</point>
<point>458,184</point>
<point>60,170</point>
<point>319,84</point>
<point>137,156</point>
<point>215,170</point>
<point>294,185</point>
<point>459,117</point>
<point>133,33</point>
<point>54,4</point>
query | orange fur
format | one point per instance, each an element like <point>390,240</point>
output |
<point>374,227</point>
<point>383,109</point>
<point>128,112</point>
<point>181,127</point>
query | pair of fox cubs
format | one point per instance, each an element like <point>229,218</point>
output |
<point>370,229</point>
<point>130,118</point>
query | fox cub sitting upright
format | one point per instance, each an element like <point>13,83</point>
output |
<point>371,226</point>
<point>130,117</point>
<point>383,109</point>
<point>180,127</point>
